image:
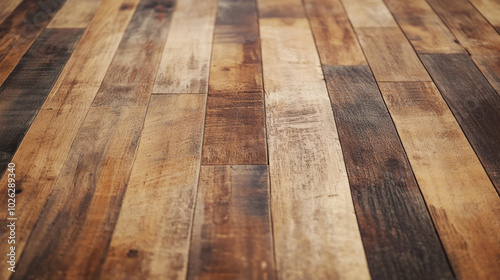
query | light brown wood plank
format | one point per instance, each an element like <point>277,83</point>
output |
<point>281,8</point>
<point>312,210</point>
<point>6,7</point>
<point>461,198</point>
<point>185,61</point>
<point>75,14</point>
<point>232,237</point>
<point>390,55</point>
<point>45,147</point>
<point>425,30</point>
<point>490,9</point>
<point>151,238</point>
<point>335,39</point>
<point>73,231</point>
<point>369,13</point>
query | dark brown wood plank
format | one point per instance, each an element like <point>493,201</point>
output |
<point>25,90</point>
<point>398,235</point>
<point>334,37</point>
<point>474,103</point>
<point>6,7</point>
<point>130,77</point>
<point>235,126</point>
<point>19,30</point>
<point>232,236</point>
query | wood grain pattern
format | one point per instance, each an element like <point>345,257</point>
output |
<point>281,8</point>
<point>19,30</point>
<point>6,7</point>
<point>185,61</point>
<point>235,127</point>
<point>390,55</point>
<point>475,33</point>
<point>87,195</point>
<point>490,9</point>
<point>461,199</point>
<point>75,14</point>
<point>398,235</point>
<point>425,30</point>
<point>46,145</point>
<point>335,39</point>
<point>130,77</point>
<point>369,13</point>
<point>232,236</point>
<point>474,103</point>
<point>24,92</point>
<point>313,215</point>
<point>159,202</point>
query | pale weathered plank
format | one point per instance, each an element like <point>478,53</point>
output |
<point>369,13</point>
<point>281,8</point>
<point>46,145</point>
<point>232,236</point>
<point>315,230</point>
<point>185,62</point>
<point>151,238</point>
<point>461,198</point>
<point>75,14</point>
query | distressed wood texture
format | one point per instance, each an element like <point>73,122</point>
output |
<point>425,30</point>
<point>24,92</point>
<point>235,125</point>
<point>313,214</point>
<point>335,39</point>
<point>130,77</point>
<point>474,103</point>
<point>281,9</point>
<point>46,145</point>
<point>159,202</point>
<point>475,33</point>
<point>490,9</point>
<point>19,30</point>
<point>462,201</point>
<point>6,7</point>
<point>185,62</point>
<point>87,195</point>
<point>75,14</point>
<point>232,237</point>
<point>369,13</point>
<point>398,235</point>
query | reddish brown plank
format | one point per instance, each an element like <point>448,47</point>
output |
<point>474,103</point>
<point>232,236</point>
<point>398,234</point>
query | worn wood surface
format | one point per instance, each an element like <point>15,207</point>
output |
<point>490,9</point>
<point>161,193</point>
<point>6,7</point>
<point>313,214</point>
<point>462,200</point>
<point>24,92</point>
<point>398,235</point>
<point>281,9</point>
<point>474,103</point>
<point>185,61</point>
<point>75,14</point>
<point>232,236</point>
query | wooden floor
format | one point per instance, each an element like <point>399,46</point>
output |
<point>250,139</point>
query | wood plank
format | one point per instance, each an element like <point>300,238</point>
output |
<point>75,14</point>
<point>369,13</point>
<point>6,7</point>
<point>390,55</point>
<point>490,9</point>
<point>151,238</point>
<point>24,92</point>
<point>334,37</point>
<point>462,201</point>
<point>19,30</point>
<point>232,237</point>
<point>281,8</point>
<point>235,126</point>
<point>398,235</point>
<point>185,61</point>
<point>313,214</point>
<point>474,103</point>
<point>425,30</point>
<point>130,77</point>
<point>46,145</point>
<point>87,195</point>
<point>475,33</point>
